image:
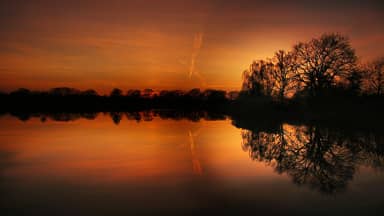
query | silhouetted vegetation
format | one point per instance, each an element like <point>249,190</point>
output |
<point>321,157</point>
<point>327,115</point>
<point>373,74</point>
<point>317,68</point>
<point>66,99</point>
<point>321,79</point>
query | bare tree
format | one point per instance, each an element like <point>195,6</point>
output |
<point>375,77</point>
<point>324,61</point>
<point>283,73</point>
<point>272,77</point>
<point>258,80</point>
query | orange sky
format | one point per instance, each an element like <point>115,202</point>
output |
<point>165,44</point>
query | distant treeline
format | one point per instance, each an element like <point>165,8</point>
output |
<point>70,99</point>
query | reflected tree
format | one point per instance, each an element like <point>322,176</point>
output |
<point>310,155</point>
<point>65,116</point>
<point>133,116</point>
<point>116,117</point>
<point>147,116</point>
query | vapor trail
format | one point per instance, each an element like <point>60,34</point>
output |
<point>197,43</point>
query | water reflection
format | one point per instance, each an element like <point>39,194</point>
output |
<point>321,157</point>
<point>116,117</point>
<point>325,159</point>
<point>146,162</point>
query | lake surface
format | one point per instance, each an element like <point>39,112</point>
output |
<point>138,164</point>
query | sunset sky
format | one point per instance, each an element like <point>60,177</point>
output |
<point>168,44</point>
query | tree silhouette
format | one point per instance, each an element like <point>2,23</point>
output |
<point>213,95</point>
<point>355,81</point>
<point>375,76</point>
<point>147,93</point>
<point>134,93</point>
<point>272,77</point>
<point>21,92</point>
<point>89,92</point>
<point>283,73</point>
<point>258,80</point>
<point>322,62</point>
<point>64,91</point>
<point>194,93</point>
<point>324,66</point>
<point>116,92</point>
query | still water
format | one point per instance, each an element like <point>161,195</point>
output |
<point>150,165</point>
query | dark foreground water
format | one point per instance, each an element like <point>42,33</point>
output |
<point>155,166</point>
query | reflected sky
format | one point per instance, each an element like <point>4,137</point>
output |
<point>96,167</point>
<point>102,151</point>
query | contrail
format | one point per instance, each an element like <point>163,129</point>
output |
<point>197,43</point>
